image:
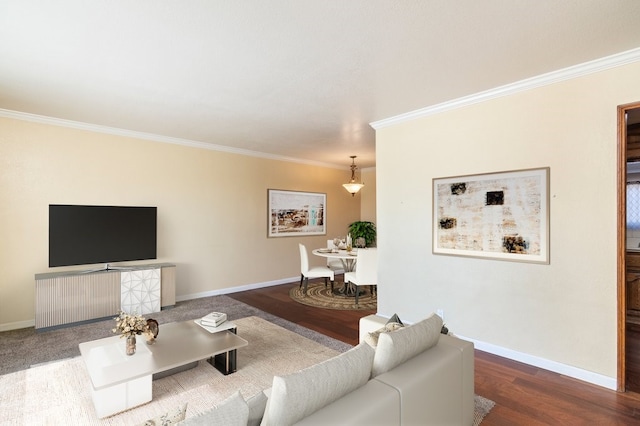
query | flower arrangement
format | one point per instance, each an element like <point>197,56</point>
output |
<point>130,324</point>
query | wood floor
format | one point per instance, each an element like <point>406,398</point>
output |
<point>524,395</point>
<point>633,356</point>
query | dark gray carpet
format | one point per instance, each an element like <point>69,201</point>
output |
<point>20,349</point>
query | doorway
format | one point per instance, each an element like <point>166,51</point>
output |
<point>628,251</point>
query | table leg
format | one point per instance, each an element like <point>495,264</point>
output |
<point>348,289</point>
<point>226,362</point>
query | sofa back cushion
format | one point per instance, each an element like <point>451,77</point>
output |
<point>398,346</point>
<point>257,404</point>
<point>233,411</point>
<point>295,396</point>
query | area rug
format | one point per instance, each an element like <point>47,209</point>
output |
<point>58,392</point>
<point>482,408</point>
<point>20,349</point>
<point>320,296</point>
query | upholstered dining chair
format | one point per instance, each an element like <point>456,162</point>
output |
<point>366,272</point>
<point>315,272</point>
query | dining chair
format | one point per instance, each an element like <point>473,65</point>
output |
<point>366,272</point>
<point>315,272</point>
<point>334,264</point>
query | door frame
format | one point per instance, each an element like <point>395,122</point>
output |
<point>622,242</point>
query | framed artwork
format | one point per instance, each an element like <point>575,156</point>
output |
<point>501,215</point>
<point>294,213</point>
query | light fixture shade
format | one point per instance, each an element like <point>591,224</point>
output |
<point>353,187</point>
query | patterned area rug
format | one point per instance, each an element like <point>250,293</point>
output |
<point>320,296</point>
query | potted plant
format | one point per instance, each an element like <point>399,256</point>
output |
<point>363,229</point>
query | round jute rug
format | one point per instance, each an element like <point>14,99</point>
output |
<point>321,297</point>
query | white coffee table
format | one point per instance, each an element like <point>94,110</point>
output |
<point>120,381</point>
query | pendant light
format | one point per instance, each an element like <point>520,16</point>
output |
<point>353,187</point>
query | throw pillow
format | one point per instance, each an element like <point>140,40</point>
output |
<point>257,404</point>
<point>395,318</point>
<point>230,412</point>
<point>296,396</point>
<point>372,338</point>
<point>395,348</point>
<point>170,418</point>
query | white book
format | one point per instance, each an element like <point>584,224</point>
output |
<point>214,318</point>
<point>211,323</point>
<point>227,325</point>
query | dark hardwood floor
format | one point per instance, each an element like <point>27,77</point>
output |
<point>341,325</point>
<point>524,395</point>
<point>633,356</point>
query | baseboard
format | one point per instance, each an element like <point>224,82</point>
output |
<point>236,289</point>
<point>556,367</point>
<point>17,325</point>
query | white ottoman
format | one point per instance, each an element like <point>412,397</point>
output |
<point>369,324</point>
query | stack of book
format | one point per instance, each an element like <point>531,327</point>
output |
<point>214,319</point>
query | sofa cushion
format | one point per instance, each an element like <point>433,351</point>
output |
<point>257,405</point>
<point>295,396</point>
<point>230,412</point>
<point>375,403</point>
<point>405,343</point>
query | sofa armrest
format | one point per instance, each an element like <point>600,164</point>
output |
<point>468,374</point>
<point>375,403</point>
<point>436,386</point>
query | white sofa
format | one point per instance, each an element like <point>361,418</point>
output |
<point>414,376</point>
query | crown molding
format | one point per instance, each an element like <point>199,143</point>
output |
<point>35,118</point>
<point>568,73</point>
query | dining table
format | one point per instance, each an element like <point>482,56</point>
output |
<point>348,259</point>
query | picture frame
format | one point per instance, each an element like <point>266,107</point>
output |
<point>502,216</point>
<point>296,214</point>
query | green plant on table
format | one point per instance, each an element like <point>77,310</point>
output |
<point>363,229</point>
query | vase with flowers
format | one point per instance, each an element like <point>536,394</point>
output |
<point>129,326</point>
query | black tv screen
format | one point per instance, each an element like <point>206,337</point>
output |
<point>80,235</point>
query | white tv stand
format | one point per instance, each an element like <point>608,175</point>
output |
<point>76,296</point>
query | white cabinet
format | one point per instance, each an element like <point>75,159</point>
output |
<point>140,291</point>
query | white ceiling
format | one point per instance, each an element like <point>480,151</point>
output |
<point>299,79</point>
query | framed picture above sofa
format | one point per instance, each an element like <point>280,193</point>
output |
<point>502,215</point>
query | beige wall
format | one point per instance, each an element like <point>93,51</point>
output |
<point>562,314</point>
<point>212,206</point>
<point>368,195</point>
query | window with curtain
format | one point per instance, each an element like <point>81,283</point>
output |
<point>633,205</point>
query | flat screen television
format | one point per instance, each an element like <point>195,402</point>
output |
<point>82,235</point>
